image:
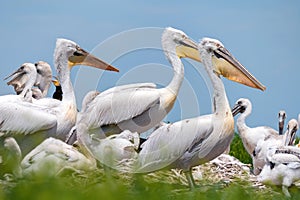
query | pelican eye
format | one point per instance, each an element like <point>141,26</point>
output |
<point>76,53</point>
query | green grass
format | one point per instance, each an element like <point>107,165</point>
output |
<point>109,184</point>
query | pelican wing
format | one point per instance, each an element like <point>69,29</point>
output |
<point>129,86</point>
<point>169,143</point>
<point>285,155</point>
<point>115,106</point>
<point>24,118</point>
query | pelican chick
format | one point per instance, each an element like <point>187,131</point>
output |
<point>190,142</point>
<point>260,151</point>
<point>282,167</point>
<point>23,80</point>
<point>250,136</point>
<point>42,80</point>
<point>53,156</point>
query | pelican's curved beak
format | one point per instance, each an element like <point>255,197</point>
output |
<point>188,49</point>
<point>82,57</point>
<point>238,108</point>
<point>230,68</point>
<point>16,74</point>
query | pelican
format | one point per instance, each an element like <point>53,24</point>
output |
<point>139,107</point>
<point>195,141</point>
<point>281,119</point>
<point>53,156</point>
<point>22,79</point>
<point>30,123</point>
<point>58,92</point>
<point>42,80</point>
<point>282,167</point>
<point>260,151</point>
<point>249,136</point>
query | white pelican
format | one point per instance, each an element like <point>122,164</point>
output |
<point>22,79</point>
<point>194,141</point>
<point>282,167</point>
<point>48,117</point>
<point>139,107</point>
<point>281,119</point>
<point>53,156</point>
<point>260,151</point>
<point>249,136</point>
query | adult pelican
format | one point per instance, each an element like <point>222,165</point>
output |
<point>281,119</point>
<point>250,136</point>
<point>260,151</point>
<point>49,117</point>
<point>282,167</point>
<point>139,107</point>
<point>195,141</point>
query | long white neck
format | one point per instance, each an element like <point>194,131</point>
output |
<point>220,102</point>
<point>63,75</point>
<point>29,84</point>
<point>241,124</point>
<point>178,69</point>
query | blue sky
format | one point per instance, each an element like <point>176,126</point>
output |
<point>262,35</point>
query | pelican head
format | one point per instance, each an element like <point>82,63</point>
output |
<point>21,76</point>
<point>242,105</point>
<point>281,119</point>
<point>227,66</point>
<point>292,128</point>
<point>75,55</point>
<point>177,39</point>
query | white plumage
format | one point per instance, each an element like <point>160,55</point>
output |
<point>191,142</point>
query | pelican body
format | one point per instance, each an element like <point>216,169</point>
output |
<point>30,123</point>
<point>139,107</point>
<point>195,141</point>
<point>260,151</point>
